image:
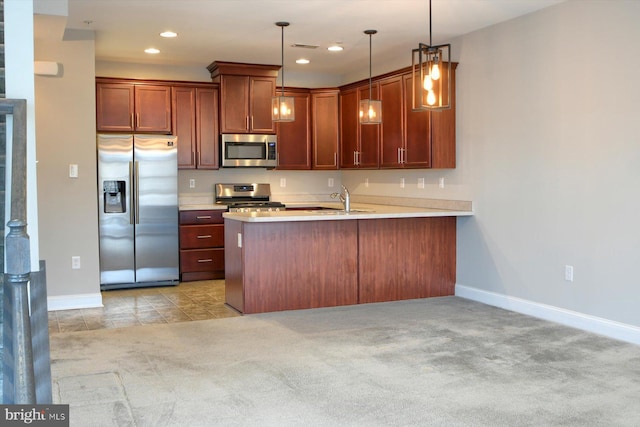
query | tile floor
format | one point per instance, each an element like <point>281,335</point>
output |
<point>129,307</point>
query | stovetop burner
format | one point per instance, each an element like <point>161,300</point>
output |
<point>246,197</point>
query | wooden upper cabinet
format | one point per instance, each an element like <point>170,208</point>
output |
<point>392,127</point>
<point>245,96</point>
<point>294,138</point>
<point>195,123</point>
<point>443,131</point>
<point>184,125</point>
<point>246,104</point>
<point>348,128</point>
<point>360,143</point>
<point>207,129</point>
<point>131,107</point>
<point>417,131</point>
<point>114,107</point>
<point>324,126</point>
<point>152,108</point>
<point>369,141</point>
<point>406,139</point>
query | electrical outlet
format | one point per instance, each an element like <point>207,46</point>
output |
<point>330,182</point>
<point>568,273</point>
<point>401,182</point>
<point>192,183</point>
<point>420,182</point>
<point>441,183</point>
<point>283,182</point>
<point>75,262</point>
<point>73,171</point>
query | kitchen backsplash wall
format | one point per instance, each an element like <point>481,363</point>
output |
<point>285,185</point>
<point>314,185</point>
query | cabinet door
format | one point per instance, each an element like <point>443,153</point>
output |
<point>391,141</point>
<point>369,147</point>
<point>417,131</point>
<point>443,132</point>
<point>348,128</point>
<point>261,92</point>
<point>207,135</point>
<point>153,109</point>
<point>234,96</point>
<point>294,138</point>
<point>324,127</point>
<point>114,107</point>
<point>184,125</point>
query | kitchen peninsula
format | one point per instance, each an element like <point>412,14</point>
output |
<point>313,258</point>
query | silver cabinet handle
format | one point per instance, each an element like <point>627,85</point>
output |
<point>205,260</point>
<point>206,236</point>
<point>399,155</point>
<point>203,217</point>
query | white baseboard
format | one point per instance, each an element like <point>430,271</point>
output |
<point>71,302</point>
<point>597,325</point>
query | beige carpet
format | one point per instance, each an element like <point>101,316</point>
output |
<point>435,362</point>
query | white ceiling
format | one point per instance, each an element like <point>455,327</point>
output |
<point>245,30</point>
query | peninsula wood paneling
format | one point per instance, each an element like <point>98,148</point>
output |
<point>406,258</point>
<point>234,295</point>
<point>298,265</point>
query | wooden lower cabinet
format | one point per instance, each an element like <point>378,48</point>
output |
<point>201,245</point>
<point>308,264</point>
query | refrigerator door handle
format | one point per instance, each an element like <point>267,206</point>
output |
<point>137,190</point>
<point>131,198</point>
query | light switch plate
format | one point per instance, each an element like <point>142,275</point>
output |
<point>73,171</point>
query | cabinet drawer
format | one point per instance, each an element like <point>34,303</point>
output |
<point>201,217</point>
<point>201,260</point>
<point>201,236</point>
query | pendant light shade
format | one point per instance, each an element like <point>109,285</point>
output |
<point>431,74</point>
<point>282,107</point>
<point>370,110</point>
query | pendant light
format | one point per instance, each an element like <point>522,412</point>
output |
<point>431,73</point>
<point>370,110</point>
<point>282,107</point>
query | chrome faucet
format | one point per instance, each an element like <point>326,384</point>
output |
<point>345,198</point>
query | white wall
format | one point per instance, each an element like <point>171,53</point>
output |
<point>66,135</point>
<point>18,26</point>
<point>547,113</point>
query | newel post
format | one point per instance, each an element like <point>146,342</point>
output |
<point>17,277</point>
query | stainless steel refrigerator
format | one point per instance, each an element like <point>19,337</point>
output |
<point>138,210</point>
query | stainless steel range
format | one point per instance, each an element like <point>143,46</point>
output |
<point>247,198</point>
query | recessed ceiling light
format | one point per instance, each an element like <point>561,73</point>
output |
<point>151,50</point>
<point>335,48</point>
<point>168,34</point>
<point>302,61</point>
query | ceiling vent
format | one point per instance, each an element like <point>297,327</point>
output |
<point>304,46</point>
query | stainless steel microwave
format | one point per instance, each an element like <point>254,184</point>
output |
<point>248,150</point>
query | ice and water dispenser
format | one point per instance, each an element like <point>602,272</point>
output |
<point>114,196</point>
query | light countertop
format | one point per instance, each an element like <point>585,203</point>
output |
<point>358,211</point>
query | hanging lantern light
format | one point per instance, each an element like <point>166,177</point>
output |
<point>282,107</point>
<point>431,74</point>
<point>370,110</point>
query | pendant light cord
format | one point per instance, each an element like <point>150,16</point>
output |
<point>430,41</point>
<point>282,59</point>
<point>370,34</point>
